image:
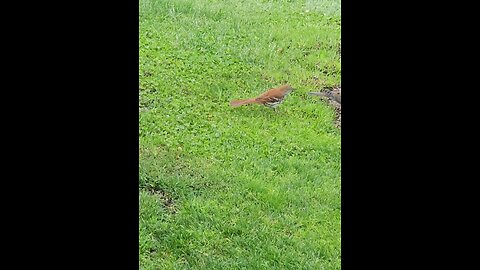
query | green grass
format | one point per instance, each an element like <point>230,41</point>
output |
<point>247,187</point>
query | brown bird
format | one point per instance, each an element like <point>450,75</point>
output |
<point>271,98</point>
<point>332,94</point>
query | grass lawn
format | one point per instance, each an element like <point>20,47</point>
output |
<point>248,187</point>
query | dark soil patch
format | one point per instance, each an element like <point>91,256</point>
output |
<point>338,112</point>
<point>336,105</point>
<point>165,200</point>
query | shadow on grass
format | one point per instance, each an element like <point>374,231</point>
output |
<point>257,111</point>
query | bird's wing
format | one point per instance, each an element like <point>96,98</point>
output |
<point>272,95</point>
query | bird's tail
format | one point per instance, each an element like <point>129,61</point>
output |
<point>240,102</point>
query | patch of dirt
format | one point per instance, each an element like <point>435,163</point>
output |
<point>338,113</point>
<point>165,199</point>
<point>335,104</point>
